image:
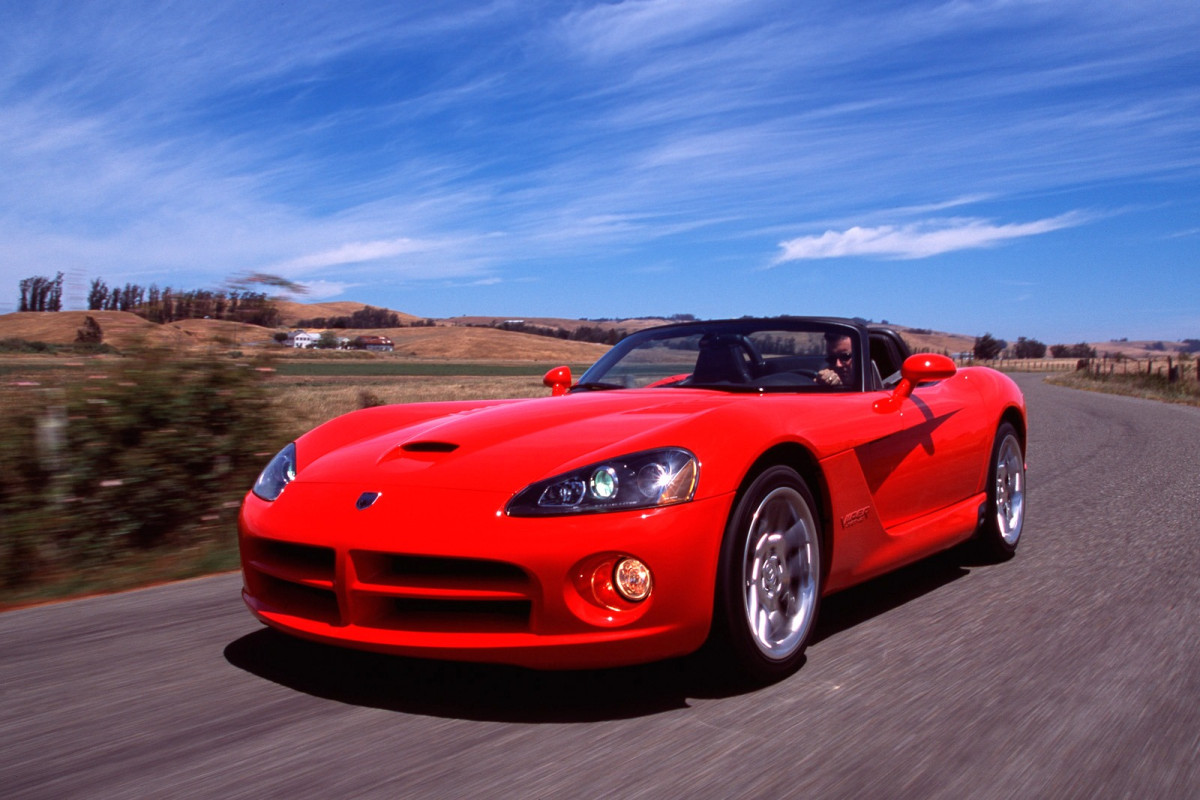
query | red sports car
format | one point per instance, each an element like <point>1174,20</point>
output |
<point>702,483</point>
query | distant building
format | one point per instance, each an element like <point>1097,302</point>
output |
<point>381,343</point>
<point>301,339</point>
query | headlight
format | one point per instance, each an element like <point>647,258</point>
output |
<point>647,479</point>
<point>278,473</point>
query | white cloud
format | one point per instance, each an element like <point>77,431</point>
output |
<point>918,240</point>
<point>480,282</point>
<point>322,290</point>
<point>355,253</point>
<point>635,25</point>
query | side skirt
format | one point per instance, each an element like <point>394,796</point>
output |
<point>913,541</point>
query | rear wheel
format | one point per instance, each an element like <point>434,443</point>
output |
<point>1000,532</point>
<point>769,581</point>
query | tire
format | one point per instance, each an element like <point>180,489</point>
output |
<point>769,579</point>
<point>1000,532</point>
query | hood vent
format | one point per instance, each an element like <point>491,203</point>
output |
<point>429,447</point>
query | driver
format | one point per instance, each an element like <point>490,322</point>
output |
<point>839,352</point>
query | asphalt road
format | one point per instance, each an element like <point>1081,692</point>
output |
<point>1071,671</point>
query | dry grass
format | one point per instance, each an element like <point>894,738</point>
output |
<point>124,330</point>
<point>307,402</point>
<point>487,344</point>
<point>627,325</point>
<point>1028,364</point>
<point>1151,387</point>
<point>120,328</point>
<point>222,333</point>
<point>936,341</point>
<point>292,312</point>
<point>303,402</point>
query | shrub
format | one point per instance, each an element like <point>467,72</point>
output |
<point>150,454</point>
<point>12,344</point>
<point>90,333</point>
<point>1081,350</point>
<point>988,347</point>
<point>1028,348</point>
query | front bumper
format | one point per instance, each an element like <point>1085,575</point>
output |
<point>445,574</point>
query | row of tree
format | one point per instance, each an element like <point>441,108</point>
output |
<point>39,293</point>
<point>171,305</point>
<point>989,348</point>
<point>366,317</point>
<point>584,333</point>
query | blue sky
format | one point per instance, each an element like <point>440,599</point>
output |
<point>1019,168</point>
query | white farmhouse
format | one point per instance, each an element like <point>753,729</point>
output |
<point>301,339</point>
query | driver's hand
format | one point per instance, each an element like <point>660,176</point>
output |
<point>829,377</point>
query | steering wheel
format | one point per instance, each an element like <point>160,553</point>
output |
<point>756,364</point>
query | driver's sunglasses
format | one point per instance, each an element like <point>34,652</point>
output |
<point>839,357</point>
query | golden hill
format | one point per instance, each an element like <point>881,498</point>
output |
<point>293,312</point>
<point>120,328</point>
<point>936,341</point>
<point>123,330</point>
<point>627,325</point>
<point>457,338</point>
<point>484,344</point>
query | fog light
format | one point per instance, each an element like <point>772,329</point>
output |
<point>632,579</point>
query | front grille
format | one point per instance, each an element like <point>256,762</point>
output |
<point>295,562</point>
<point>400,570</point>
<point>388,591</point>
<point>428,593</point>
<point>299,600</point>
<point>293,578</point>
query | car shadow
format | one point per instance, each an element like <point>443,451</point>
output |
<point>489,692</point>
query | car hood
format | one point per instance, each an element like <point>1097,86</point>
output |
<point>506,446</point>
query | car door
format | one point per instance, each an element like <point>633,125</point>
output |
<point>932,460</point>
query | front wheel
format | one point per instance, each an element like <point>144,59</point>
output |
<point>1000,532</point>
<point>769,580</point>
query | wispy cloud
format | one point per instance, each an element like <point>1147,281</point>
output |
<point>478,146</point>
<point>472,284</point>
<point>353,253</point>
<point>635,25</point>
<point>322,290</point>
<point>918,240</point>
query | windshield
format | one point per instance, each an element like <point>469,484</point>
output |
<point>739,355</point>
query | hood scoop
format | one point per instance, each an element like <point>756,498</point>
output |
<point>429,447</point>
<point>420,450</point>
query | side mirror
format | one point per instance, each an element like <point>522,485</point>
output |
<point>918,369</point>
<point>559,380</point>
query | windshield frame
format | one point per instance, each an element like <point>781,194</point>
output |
<point>594,377</point>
